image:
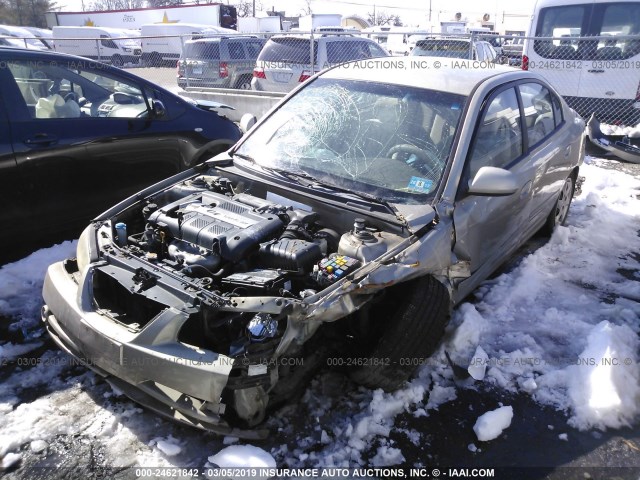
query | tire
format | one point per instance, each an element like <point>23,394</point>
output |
<point>155,60</point>
<point>560,211</point>
<point>409,335</point>
<point>117,61</point>
<point>244,82</point>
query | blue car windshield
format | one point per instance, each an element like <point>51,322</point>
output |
<point>391,141</point>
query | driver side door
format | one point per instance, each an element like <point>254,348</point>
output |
<point>82,139</point>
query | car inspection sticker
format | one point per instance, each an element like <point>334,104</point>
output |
<point>421,185</point>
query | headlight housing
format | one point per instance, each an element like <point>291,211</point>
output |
<point>86,250</point>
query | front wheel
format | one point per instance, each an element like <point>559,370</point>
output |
<point>558,215</point>
<point>408,335</point>
<point>117,61</point>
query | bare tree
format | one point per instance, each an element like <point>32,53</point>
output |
<point>245,7</point>
<point>102,5</point>
<point>384,18</point>
<point>25,12</point>
<point>306,9</point>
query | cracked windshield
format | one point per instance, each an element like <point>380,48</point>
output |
<point>389,141</point>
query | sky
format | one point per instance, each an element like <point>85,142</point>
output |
<point>412,12</point>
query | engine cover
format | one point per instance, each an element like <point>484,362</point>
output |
<point>217,222</point>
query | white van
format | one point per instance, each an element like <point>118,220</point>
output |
<point>110,45</point>
<point>595,75</point>
<point>162,43</point>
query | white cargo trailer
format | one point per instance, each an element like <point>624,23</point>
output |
<point>213,14</point>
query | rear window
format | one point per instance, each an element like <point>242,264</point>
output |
<point>338,52</point>
<point>442,48</point>
<point>289,50</point>
<point>202,50</point>
<point>567,23</point>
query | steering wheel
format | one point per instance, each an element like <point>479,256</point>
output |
<point>426,157</point>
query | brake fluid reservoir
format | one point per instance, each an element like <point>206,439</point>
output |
<point>364,244</point>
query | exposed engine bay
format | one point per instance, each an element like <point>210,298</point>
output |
<point>232,270</point>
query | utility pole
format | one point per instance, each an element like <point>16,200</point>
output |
<point>429,12</point>
<point>254,8</point>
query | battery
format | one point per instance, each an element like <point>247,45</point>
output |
<point>262,281</point>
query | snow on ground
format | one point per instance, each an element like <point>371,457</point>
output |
<point>629,131</point>
<point>562,326</point>
<point>490,425</point>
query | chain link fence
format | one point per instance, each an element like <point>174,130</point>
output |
<point>598,75</point>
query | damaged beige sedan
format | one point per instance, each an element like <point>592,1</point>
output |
<point>346,224</point>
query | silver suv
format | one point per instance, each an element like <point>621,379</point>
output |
<point>285,61</point>
<point>224,62</point>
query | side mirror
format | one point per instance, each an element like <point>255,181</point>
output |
<point>158,109</point>
<point>493,181</point>
<point>247,121</point>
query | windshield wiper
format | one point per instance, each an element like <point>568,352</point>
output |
<point>243,156</point>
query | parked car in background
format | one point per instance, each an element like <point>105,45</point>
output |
<point>80,135</point>
<point>44,35</point>
<point>455,48</point>
<point>163,43</point>
<point>512,49</point>
<point>223,62</point>
<point>346,223</point>
<point>285,61</point>
<point>21,38</point>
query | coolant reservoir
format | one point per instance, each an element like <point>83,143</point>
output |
<point>364,244</point>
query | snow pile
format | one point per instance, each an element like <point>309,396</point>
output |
<point>490,425</point>
<point>563,325</point>
<point>22,280</point>
<point>604,392</point>
<point>242,456</point>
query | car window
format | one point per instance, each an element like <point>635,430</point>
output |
<point>617,19</point>
<point>292,50</point>
<point>498,138</point>
<point>236,51</point>
<point>442,48</point>
<point>202,50</point>
<point>557,109</point>
<point>253,48</point>
<point>344,51</point>
<point>55,90</point>
<point>107,42</point>
<point>538,111</point>
<point>567,22</point>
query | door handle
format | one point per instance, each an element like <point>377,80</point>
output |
<point>567,151</point>
<point>41,139</point>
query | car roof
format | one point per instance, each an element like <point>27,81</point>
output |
<point>454,75</point>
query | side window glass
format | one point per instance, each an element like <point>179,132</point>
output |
<point>54,90</point>
<point>107,42</point>
<point>538,111</point>
<point>498,138</point>
<point>557,109</point>
<point>253,49</point>
<point>235,51</point>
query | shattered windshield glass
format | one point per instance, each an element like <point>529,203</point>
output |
<point>385,140</point>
